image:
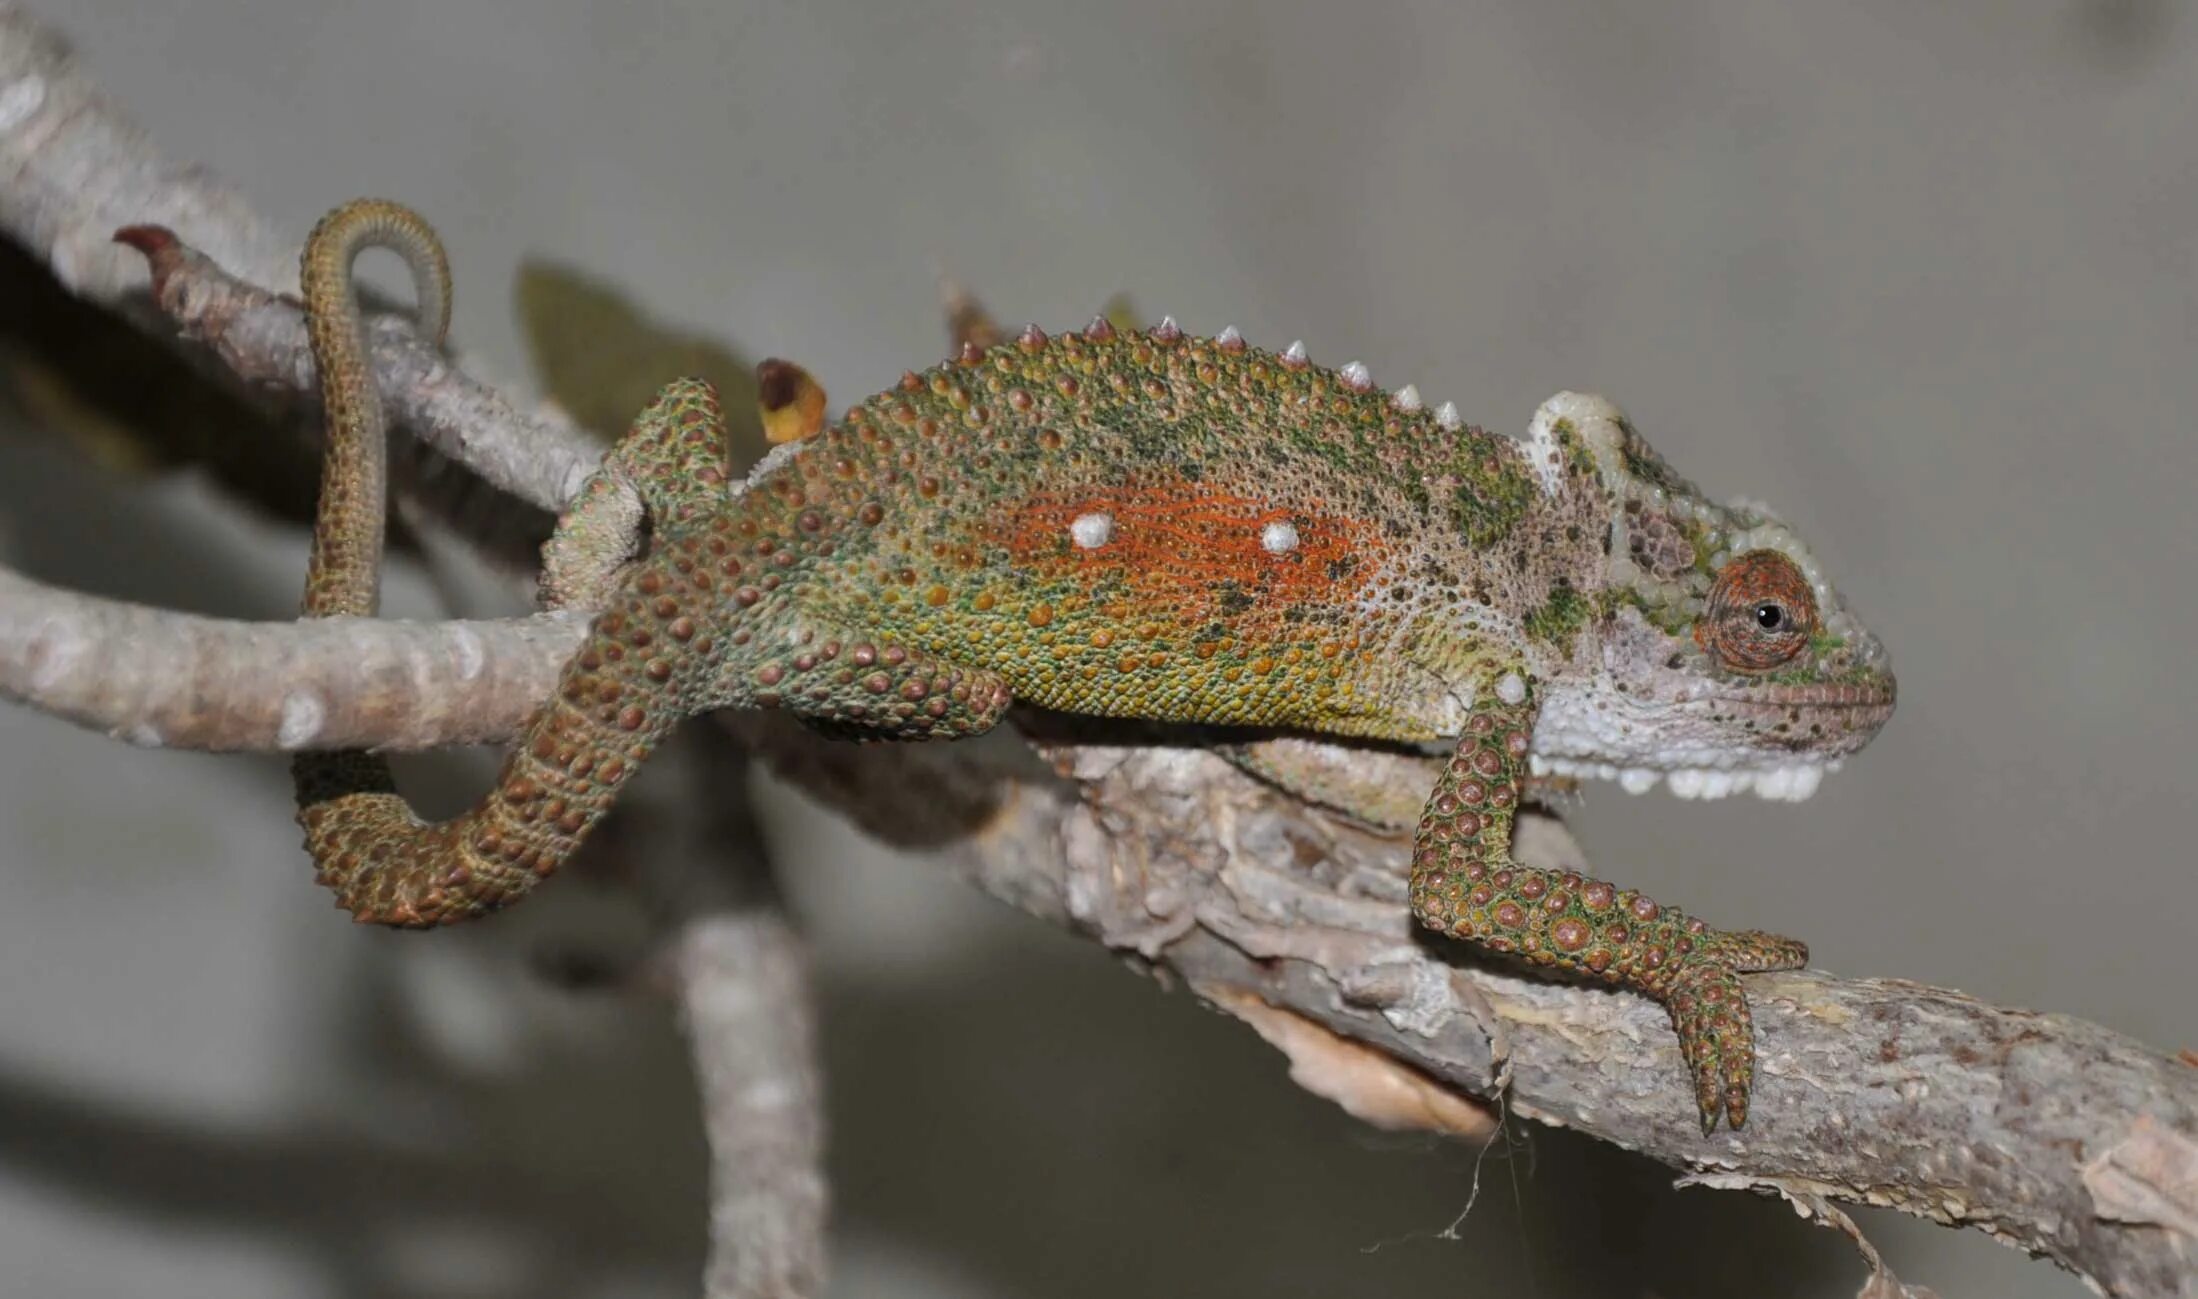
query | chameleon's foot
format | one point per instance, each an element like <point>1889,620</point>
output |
<point>1465,884</point>
<point>1709,1009</point>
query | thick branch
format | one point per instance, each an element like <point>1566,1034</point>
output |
<point>154,677</point>
<point>2051,1133</point>
<point>1869,1091</point>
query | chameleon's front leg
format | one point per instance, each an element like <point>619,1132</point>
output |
<point>1465,884</point>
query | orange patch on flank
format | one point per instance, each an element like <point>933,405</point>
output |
<point>1181,543</point>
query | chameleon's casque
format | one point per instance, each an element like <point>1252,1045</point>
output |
<point>1146,524</point>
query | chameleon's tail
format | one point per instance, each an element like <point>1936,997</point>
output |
<point>385,864</point>
<point>344,573</point>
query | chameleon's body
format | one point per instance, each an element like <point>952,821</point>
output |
<point>1147,524</point>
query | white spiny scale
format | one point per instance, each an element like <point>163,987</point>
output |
<point>1790,784</point>
<point>1294,354</point>
<point>1357,377</point>
<point>1167,331</point>
<point>1407,398</point>
<point>1703,783</point>
<point>1637,780</point>
<point>1447,416</point>
<point>1229,338</point>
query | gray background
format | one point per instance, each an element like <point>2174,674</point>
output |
<point>1922,275</point>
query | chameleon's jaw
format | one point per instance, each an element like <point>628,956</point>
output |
<point>1710,739</point>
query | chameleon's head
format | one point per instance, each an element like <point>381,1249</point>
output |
<point>1710,652</point>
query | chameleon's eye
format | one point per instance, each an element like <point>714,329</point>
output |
<point>1760,615</point>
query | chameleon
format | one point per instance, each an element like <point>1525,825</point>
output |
<point>1143,523</point>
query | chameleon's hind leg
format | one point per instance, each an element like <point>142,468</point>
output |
<point>1465,884</point>
<point>671,465</point>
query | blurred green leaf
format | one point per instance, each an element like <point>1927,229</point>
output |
<point>602,358</point>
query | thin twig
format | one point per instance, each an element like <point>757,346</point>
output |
<point>741,975</point>
<point>747,1004</point>
<point>261,337</point>
<point>74,170</point>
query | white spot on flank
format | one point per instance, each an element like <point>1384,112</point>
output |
<point>1279,537</point>
<point>1407,398</point>
<point>1637,780</point>
<point>1091,531</point>
<point>1511,688</point>
<point>1357,377</point>
<point>302,717</point>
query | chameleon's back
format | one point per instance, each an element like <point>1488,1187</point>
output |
<point>1146,524</point>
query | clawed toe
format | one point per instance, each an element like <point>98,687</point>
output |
<point>1717,1037</point>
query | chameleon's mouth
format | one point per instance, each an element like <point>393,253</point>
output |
<point>1874,696</point>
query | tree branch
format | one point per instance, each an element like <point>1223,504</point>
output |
<point>159,678</point>
<point>747,1004</point>
<point>74,170</point>
<point>2052,1134</point>
<point>261,337</point>
<point>741,975</point>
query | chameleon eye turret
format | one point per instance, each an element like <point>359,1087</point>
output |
<point>1760,614</point>
<point>1151,524</point>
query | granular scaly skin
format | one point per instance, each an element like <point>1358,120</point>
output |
<point>1142,523</point>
